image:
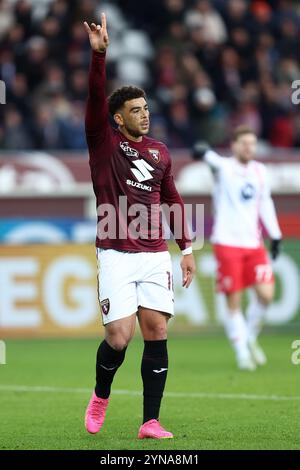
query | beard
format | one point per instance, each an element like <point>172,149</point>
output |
<point>245,158</point>
<point>136,132</point>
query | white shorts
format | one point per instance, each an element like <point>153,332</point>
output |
<point>129,280</point>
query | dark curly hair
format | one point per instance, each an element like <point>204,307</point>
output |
<point>117,99</point>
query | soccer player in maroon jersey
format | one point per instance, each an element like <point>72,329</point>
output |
<point>135,273</point>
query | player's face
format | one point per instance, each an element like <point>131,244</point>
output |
<point>134,117</point>
<point>244,148</point>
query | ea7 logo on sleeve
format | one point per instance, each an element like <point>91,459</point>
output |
<point>105,305</point>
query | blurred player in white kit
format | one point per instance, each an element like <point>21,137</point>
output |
<point>242,201</point>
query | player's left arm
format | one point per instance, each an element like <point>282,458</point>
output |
<point>170,196</point>
<point>268,217</point>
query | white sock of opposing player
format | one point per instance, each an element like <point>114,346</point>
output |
<point>256,313</point>
<point>236,330</point>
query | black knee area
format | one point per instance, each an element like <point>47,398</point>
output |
<point>110,357</point>
<point>108,362</point>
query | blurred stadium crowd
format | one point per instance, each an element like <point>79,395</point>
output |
<point>206,65</point>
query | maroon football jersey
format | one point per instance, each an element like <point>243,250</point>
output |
<point>130,179</point>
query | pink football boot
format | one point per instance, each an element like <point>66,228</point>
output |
<point>153,430</point>
<point>95,413</point>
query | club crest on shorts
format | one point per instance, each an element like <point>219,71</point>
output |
<point>105,305</point>
<point>155,155</point>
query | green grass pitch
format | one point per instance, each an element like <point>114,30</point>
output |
<point>208,403</point>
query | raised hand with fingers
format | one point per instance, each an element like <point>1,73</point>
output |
<point>98,35</point>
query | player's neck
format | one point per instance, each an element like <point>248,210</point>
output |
<point>242,162</point>
<point>129,136</point>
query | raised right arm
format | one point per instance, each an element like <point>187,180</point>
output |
<point>97,114</point>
